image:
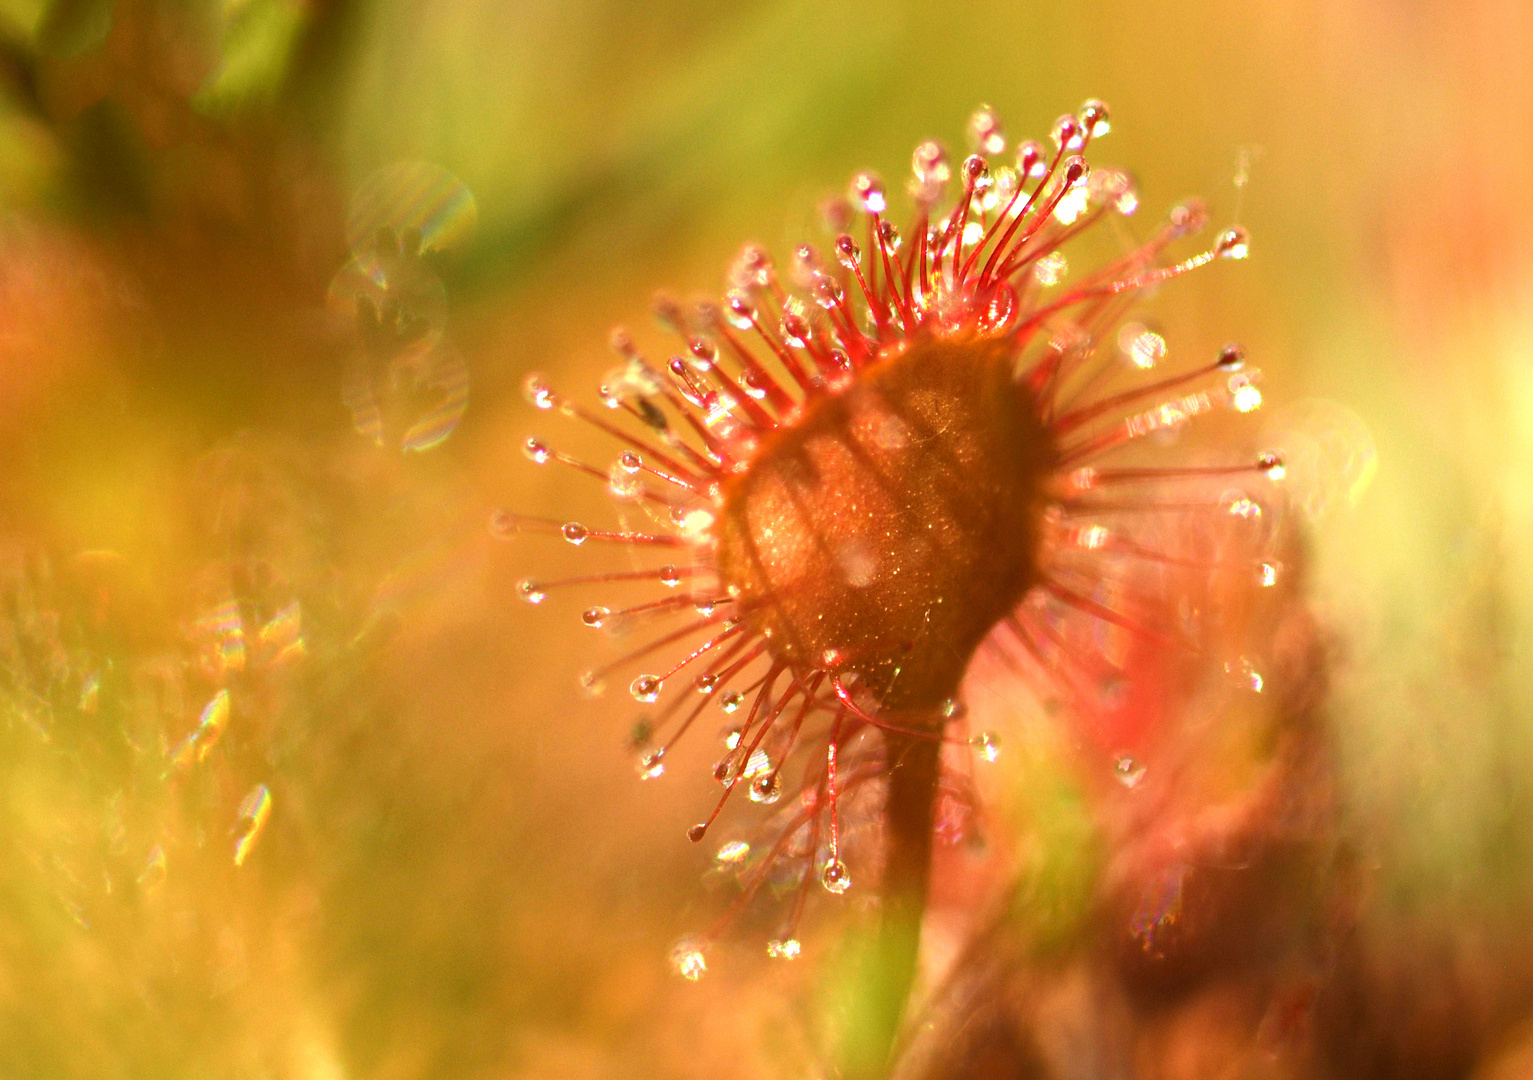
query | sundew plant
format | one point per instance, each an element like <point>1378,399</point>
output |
<point>857,471</point>
<point>1035,595</point>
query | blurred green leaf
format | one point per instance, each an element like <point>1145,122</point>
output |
<point>23,14</point>
<point>256,49</point>
<point>74,27</point>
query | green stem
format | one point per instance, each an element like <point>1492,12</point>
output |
<point>886,969</point>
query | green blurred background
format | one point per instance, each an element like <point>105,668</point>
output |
<point>460,875</point>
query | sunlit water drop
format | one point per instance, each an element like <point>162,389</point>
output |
<point>988,744</point>
<point>254,812</point>
<point>199,744</point>
<point>835,877</point>
<point>766,788</point>
<point>784,948</point>
<point>1128,771</point>
<point>1329,455</point>
<point>687,960</point>
<point>405,385</point>
<point>1245,675</point>
<point>152,876</point>
<point>415,197</point>
<point>733,852</point>
<point>281,639</point>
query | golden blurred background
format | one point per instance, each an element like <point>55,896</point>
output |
<point>294,786</point>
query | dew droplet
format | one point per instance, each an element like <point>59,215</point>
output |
<point>1074,204</point>
<point>836,212</point>
<point>795,329</point>
<point>848,254</point>
<point>1092,537</point>
<point>988,743</point>
<point>1068,133</point>
<point>706,684</point>
<point>1143,347</point>
<point>697,832</point>
<point>594,616</point>
<point>1094,117</point>
<point>1051,269</point>
<point>531,590</point>
<point>985,133</point>
<point>592,684</point>
<point>1271,463</point>
<point>1127,771</point>
<point>784,948</point>
<point>889,236</point>
<point>953,709</point>
<point>733,852</point>
<point>687,960</point>
<point>652,765</point>
<point>537,391</point>
<point>1246,397</point>
<point>211,726</point>
<point>868,193</point>
<point>932,169</point>
<point>90,693</point>
<point>1083,479</point>
<point>754,384</point>
<point>827,292</point>
<point>1329,455</point>
<point>753,268</point>
<point>1189,217</point>
<point>417,199</point>
<point>739,309</point>
<point>629,462</point>
<point>623,484</point>
<point>621,342</point>
<point>1108,185</point>
<point>766,788</point>
<point>836,877</point>
<point>731,701</point>
<point>1232,357</point>
<point>998,312</point>
<point>1032,160</point>
<point>670,576</point>
<point>1267,574</point>
<point>645,689</point>
<point>693,521</point>
<point>1233,243</point>
<point>154,871</point>
<point>537,451</point>
<point>574,532</point>
<point>1243,507</point>
<point>1245,675</point>
<point>253,814</point>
